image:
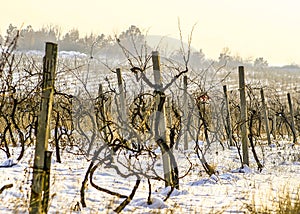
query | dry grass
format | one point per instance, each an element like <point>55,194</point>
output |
<point>285,201</point>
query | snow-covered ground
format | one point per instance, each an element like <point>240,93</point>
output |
<point>230,191</point>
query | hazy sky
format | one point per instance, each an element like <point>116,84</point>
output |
<point>249,28</point>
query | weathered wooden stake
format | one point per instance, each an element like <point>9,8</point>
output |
<point>266,119</point>
<point>243,126</point>
<point>43,129</point>
<point>168,110</point>
<point>47,167</point>
<point>161,113</point>
<point>228,117</point>
<point>160,120</point>
<point>185,113</point>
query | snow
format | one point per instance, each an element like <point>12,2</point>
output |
<point>8,163</point>
<point>71,54</point>
<point>245,169</point>
<point>157,203</point>
<point>228,191</point>
<point>61,54</point>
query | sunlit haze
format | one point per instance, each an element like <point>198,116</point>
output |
<point>250,29</point>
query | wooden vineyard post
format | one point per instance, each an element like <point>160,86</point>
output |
<point>292,118</point>
<point>43,130</point>
<point>243,126</point>
<point>47,167</point>
<point>266,119</point>
<point>168,113</point>
<point>185,114</point>
<point>160,120</point>
<point>228,117</point>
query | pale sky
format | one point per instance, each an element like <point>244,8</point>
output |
<point>249,28</point>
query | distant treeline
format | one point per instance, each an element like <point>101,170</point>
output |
<point>132,39</point>
<point>31,39</point>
